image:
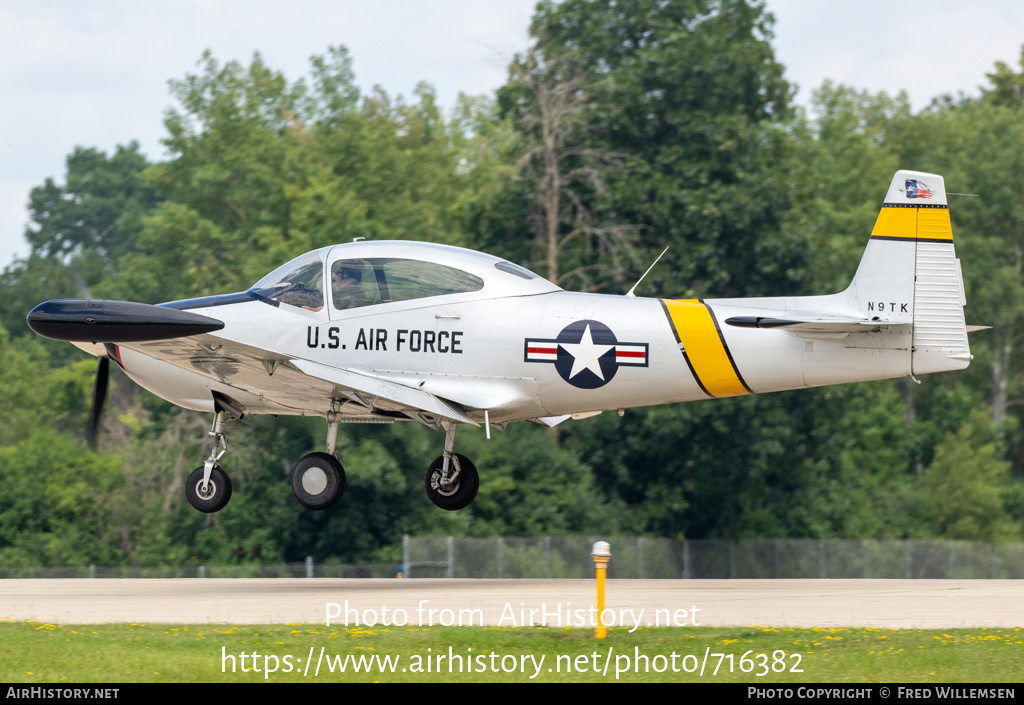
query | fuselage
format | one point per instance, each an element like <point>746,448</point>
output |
<point>489,336</point>
<point>514,345</point>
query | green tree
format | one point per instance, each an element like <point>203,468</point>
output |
<point>268,169</point>
<point>691,91</point>
<point>72,517</point>
<point>848,153</point>
<point>238,139</point>
<point>99,208</point>
<point>182,254</point>
<point>28,282</point>
<point>553,111</point>
<point>79,230</point>
<point>966,486</point>
<point>981,156</point>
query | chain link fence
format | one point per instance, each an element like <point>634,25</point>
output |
<point>308,569</point>
<point>645,558</point>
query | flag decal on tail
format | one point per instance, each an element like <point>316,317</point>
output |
<point>917,189</point>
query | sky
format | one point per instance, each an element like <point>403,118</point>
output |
<point>94,74</point>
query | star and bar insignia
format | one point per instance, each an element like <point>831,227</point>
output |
<point>586,353</point>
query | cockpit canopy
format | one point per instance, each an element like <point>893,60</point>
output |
<point>375,280</point>
<point>371,273</point>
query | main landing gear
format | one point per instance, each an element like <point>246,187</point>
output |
<point>318,479</point>
<point>452,480</point>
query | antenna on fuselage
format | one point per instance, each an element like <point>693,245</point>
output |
<point>630,292</point>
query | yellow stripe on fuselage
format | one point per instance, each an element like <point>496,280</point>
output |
<point>913,224</point>
<point>705,348</point>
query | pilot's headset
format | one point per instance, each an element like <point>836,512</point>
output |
<point>349,272</point>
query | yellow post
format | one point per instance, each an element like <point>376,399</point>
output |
<point>601,554</point>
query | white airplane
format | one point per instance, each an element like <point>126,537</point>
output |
<point>377,332</point>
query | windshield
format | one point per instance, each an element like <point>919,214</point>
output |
<point>299,283</point>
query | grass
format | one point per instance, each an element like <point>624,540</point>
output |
<point>36,652</point>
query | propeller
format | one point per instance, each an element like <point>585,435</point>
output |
<point>98,398</point>
<point>99,395</point>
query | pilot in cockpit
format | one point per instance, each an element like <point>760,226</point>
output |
<point>347,288</point>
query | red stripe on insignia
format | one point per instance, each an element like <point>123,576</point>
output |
<point>624,353</point>
<point>548,351</point>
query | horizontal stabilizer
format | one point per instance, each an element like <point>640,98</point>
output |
<point>813,325</point>
<point>105,321</point>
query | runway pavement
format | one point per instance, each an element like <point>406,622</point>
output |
<point>798,603</point>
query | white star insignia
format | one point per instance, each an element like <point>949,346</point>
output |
<point>586,354</point>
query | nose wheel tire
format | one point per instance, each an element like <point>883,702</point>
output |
<point>318,481</point>
<point>214,496</point>
<point>460,491</point>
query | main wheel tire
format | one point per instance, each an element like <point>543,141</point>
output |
<point>318,481</point>
<point>216,495</point>
<point>465,487</point>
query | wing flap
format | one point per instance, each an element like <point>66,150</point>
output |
<point>391,391</point>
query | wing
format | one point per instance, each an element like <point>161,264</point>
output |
<point>299,386</point>
<point>271,383</point>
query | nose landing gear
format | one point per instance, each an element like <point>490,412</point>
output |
<point>208,495</point>
<point>208,488</point>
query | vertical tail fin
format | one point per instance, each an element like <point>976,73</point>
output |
<point>910,273</point>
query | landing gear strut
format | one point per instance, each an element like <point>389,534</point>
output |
<point>318,479</point>
<point>208,488</point>
<point>452,480</point>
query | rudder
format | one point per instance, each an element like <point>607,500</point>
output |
<point>910,273</point>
